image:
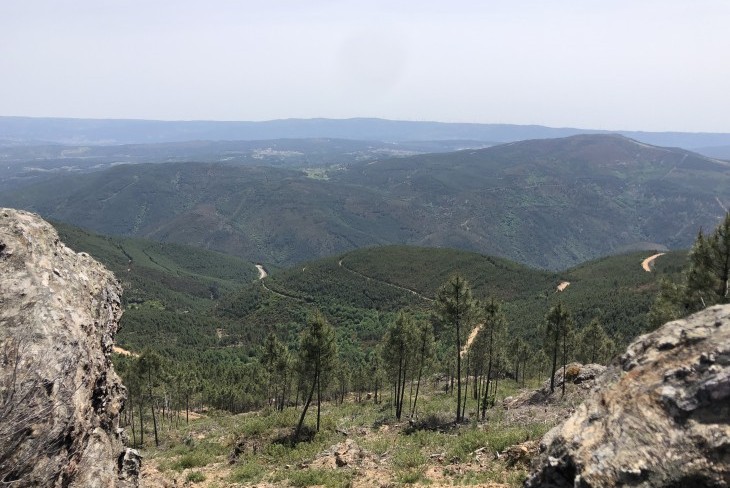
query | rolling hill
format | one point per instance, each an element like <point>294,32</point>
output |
<point>207,312</point>
<point>361,289</point>
<point>547,203</point>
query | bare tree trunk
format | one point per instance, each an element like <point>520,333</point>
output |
<point>154,422</point>
<point>141,425</point>
<point>131,421</point>
<point>485,398</point>
<point>304,411</point>
<point>458,370</point>
<point>418,385</point>
<point>402,389</point>
<point>555,361</point>
<point>466,387</point>
<point>319,400</point>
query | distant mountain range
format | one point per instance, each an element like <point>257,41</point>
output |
<point>21,164</point>
<point>548,203</point>
<point>27,130</point>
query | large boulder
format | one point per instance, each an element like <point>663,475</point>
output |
<point>60,398</point>
<point>661,417</point>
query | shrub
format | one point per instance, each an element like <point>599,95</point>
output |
<point>195,477</point>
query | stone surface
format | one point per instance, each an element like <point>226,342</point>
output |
<point>660,416</point>
<point>580,380</point>
<point>60,398</point>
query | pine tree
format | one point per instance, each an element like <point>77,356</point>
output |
<point>594,344</point>
<point>425,349</point>
<point>558,325</point>
<point>276,361</point>
<point>455,309</point>
<point>706,279</point>
<point>490,338</point>
<point>709,271</point>
<point>317,353</point>
<point>398,354</point>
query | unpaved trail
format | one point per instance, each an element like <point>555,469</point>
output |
<point>124,352</point>
<point>562,286</point>
<point>646,264</point>
<point>385,282</point>
<point>263,274</point>
<point>722,205</point>
<point>470,339</point>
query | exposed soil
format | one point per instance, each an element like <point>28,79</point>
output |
<point>262,272</point>
<point>124,352</point>
<point>470,339</point>
<point>647,263</point>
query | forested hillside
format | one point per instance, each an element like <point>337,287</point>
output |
<point>206,312</point>
<point>369,283</point>
<point>546,203</point>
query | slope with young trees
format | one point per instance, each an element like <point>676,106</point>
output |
<point>705,282</point>
<point>456,311</point>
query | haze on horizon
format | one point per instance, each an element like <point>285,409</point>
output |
<point>622,65</point>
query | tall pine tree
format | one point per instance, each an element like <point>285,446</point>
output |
<point>317,356</point>
<point>455,309</point>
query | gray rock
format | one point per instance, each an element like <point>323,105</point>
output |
<point>60,398</point>
<point>659,417</point>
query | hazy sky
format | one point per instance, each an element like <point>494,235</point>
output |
<point>609,64</point>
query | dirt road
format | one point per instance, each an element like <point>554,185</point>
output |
<point>262,272</point>
<point>124,352</point>
<point>393,285</point>
<point>470,339</point>
<point>646,264</point>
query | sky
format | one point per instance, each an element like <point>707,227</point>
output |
<point>650,65</point>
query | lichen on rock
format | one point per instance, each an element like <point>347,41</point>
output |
<point>60,398</point>
<point>660,416</point>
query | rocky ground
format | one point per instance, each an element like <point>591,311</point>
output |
<point>660,415</point>
<point>60,398</point>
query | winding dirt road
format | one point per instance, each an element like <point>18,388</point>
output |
<point>262,272</point>
<point>385,282</point>
<point>646,264</point>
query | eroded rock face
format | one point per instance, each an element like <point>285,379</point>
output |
<point>60,398</point>
<point>661,417</point>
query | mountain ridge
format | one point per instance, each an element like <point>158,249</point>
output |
<point>548,203</point>
<point>118,131</point>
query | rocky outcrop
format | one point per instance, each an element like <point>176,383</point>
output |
<point>60,398</point>
<point>661,417</point>
<point>580,379</point>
